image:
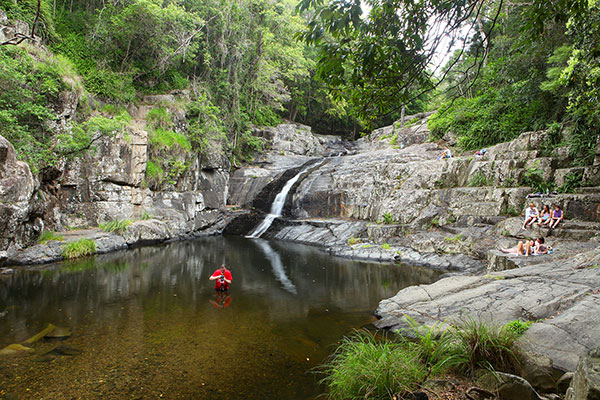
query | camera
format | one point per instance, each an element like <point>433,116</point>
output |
<point>222,278</point>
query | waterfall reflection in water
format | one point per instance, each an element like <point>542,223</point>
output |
<point>148,327</point>
<point>277,265</point>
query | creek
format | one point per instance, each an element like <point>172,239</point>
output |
<point>149,324</point>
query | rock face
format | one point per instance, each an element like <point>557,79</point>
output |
<point>586,381</point>
<point>21,222</point>
<point>563,298</point>
<point>110,183</point>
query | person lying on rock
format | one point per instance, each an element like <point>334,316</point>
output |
<point>545,216</point>
<point>523,248</point>
<point>557,216</point>
<point>531,215</point>
<point>540,246</point>
<point>445,154</point>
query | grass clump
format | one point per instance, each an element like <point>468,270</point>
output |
<point>80,248</point>
<point>352,241</point>
<point>363,366</point>
<point>478,179</point>
<point>369,366</point>
<point>386,246</point>
<point>46,236</point>
<point>116,225</point>
<point>454,239</point>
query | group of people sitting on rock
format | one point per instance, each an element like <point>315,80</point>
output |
<point>545,218</point>
<point>529,247</point>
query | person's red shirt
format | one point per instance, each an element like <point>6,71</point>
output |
<point>218,283</point>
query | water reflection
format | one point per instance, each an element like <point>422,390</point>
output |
<point>277,265</point>
<point>150,323</point>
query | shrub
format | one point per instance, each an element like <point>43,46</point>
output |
<point>116,225</point>
<point>49,235</point>
<point>388,218</point>
<point>154,172</point>
<point>80,248</point>
<point>167,139</point>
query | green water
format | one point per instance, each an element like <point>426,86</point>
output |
<point>149,324</point>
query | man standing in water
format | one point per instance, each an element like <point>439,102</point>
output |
<point>223,278</point>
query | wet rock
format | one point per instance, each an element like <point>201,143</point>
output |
<point>15,349</point>
<point>586,380</point>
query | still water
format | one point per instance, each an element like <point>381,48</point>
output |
<point>147,323</point>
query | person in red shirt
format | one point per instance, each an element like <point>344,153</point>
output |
<point>223,278</point>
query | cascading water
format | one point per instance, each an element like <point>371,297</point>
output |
<point>279,202</point>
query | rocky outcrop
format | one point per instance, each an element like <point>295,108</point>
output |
<point>561,297</point>
<point>290,146</point>
<point>21,220</point>
<point>110,183</point>
<point>586,381</point>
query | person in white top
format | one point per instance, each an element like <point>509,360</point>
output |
<point>531,215</point>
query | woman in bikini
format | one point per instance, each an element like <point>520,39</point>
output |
<point>544,217</point>
<point>524,248</point>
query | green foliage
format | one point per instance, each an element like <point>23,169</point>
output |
<point>534,177</point>
<point>80,248</point>
<point>478,179</point>
<point>386,246</point>
<point>388,218</point>
<point>367,366</point>
<point>572,181</point>
<point>117,225</point>
<point>154,172</point>
<point>363,366</point>
<point>159,118</point>
<point>486,346</point>
<point>168,140</point>
<point>512,211</point>
<point>146,215</point>
<point>46,236</point>
<point>518,327</point>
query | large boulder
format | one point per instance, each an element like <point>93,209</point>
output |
<point>586,381</point>
<point>19,225</point>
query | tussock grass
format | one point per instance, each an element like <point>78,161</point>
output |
<point>80,248</point>
<point>368,366</point>
<point>116,225</point>
<point>46,236</point>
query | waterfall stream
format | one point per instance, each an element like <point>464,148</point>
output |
<point>279,202</point>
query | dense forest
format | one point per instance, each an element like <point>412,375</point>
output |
<point>340,67</point>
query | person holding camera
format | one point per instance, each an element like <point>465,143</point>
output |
<point>223,278</point>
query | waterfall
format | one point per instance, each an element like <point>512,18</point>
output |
<point>278,203</point>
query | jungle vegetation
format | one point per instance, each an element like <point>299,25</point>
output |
<point>342,67</point>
